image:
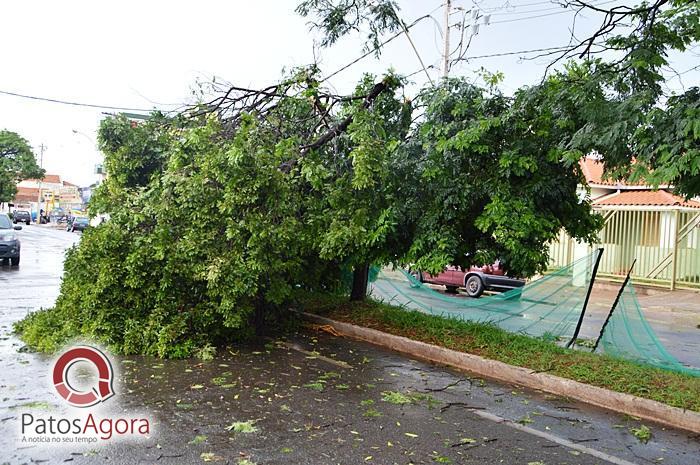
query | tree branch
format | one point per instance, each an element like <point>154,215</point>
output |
<point>336,130</point>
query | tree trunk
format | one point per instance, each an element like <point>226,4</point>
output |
<point>359,282</point>
<point>259,317</point>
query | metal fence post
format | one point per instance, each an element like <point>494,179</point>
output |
<point>614,306</point>
<point>594,272</point>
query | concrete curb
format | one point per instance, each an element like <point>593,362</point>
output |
<point>610,400</point>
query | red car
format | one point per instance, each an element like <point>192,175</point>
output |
<point>476,280</point>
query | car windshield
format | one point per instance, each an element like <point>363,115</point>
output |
<point>5,222</point>
<point>81,220</point>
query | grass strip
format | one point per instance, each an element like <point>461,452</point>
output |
<point>488,341</point>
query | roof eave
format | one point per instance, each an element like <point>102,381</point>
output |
<point>646,208</point>
<point>629,187</point>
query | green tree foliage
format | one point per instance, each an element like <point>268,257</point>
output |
<point>209,235</point>
<point>497,180</point>
<point>217,221</point>
<point>336,18</point>
<point>137,151</point>
<point>17,162</point>
<point>641,132</point>
<point>356,180</point>
<point>220,216</point>
<point>668,142</point>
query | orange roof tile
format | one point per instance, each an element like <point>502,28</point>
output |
<point>49,178</point>
<point>593,168</point>
<point>26,194</point>
<point>645,198</point>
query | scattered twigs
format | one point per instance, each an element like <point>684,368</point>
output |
<point>444,388</point>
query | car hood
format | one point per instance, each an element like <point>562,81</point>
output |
<point>8,235</point>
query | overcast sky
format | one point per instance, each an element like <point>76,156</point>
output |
<point>145,54</point>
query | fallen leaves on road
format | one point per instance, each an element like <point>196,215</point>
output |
<point>242,427</point>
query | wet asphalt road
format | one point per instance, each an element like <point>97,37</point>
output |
<point>311,399</point>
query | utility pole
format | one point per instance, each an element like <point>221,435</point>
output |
<point>42,147</point>
<point>446,51</point>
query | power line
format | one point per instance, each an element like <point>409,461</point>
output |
<point>76,104</point>
<point>502,54</point>
<point>531,17</point>
<point>404,29</point>
<point>517,5</point>
<point>543,15</point>
<point>508,8</point>
<point>365,55</point>
<point>539,10</point>
<point>689,70</point>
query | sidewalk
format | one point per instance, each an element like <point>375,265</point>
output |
<point>674,315</point>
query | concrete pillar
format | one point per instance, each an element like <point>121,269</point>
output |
<point>667,230</point>
<point>581,250</point>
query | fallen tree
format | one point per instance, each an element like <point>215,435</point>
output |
<point>218,218</point>
<point>221,215</point>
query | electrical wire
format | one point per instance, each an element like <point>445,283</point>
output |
<point>502,54</point>
<point>688,70</point>
<point>540,10</point>
<point>77,104</point>
<point>348,65</point>
<point>509,5</point>
<point>544,15</point>
<point>403,30</point>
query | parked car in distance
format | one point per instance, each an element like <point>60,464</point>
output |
<point>21,216</point>
<point>475,280</point>
<point>9,242</point>
<point>78,224</point>
<point>58,215</point>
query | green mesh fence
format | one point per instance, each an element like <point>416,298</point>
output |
<point>549,306</point>
<point>346,276</point>
<point>629,335</point>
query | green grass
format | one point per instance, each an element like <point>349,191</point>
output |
<point>676,389</point>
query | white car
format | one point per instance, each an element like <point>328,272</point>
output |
<point>9,242</point>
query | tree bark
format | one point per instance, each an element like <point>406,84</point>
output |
<point>259,317</point>
<point>359,282</point>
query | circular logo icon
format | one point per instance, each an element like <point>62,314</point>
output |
<point>75,397</point>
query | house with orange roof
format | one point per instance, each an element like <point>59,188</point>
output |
<point>49,193</point>
<point>656,227</point>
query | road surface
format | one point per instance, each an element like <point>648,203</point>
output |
<point>311,398</point>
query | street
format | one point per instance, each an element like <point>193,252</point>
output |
<point>308,399</point>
